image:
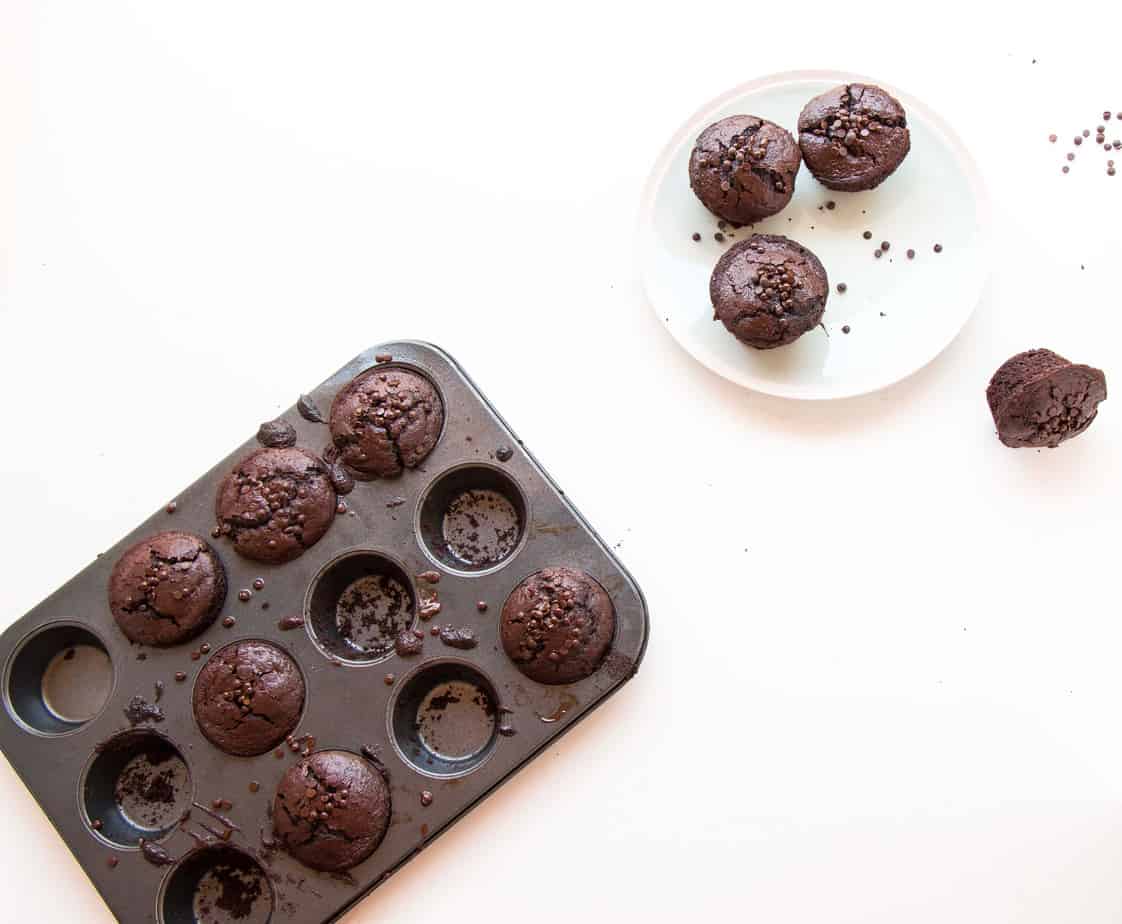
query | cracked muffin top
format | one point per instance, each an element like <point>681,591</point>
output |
<point>1038,398</point>
<point>276,504</point>
<point>385,421</point>
<point>248,698</point>
<point>853,136</point>
<point>743,168</point>
<point>331,810</point>
<point>167,588</point>
<point>768,291</point>
<point>557,625</point>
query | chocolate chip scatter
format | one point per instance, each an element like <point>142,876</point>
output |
<point>308,410</point>
<point>277,434</point>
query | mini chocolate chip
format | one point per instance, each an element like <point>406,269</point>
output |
<point>868,235</point>
<point>884,245</point>
<point>845,328</point>
<point>258,583</point>
<point>244,595</point>
<point>696,236</point>
<point>877,254</point>
<point>938,248</point>
<point>172,507</point>
<point>719,238</point>
<point>911,254</point>
<point>842,287</point>
<point>1052,138</point>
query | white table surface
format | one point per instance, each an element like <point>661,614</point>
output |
<point>883,682</point>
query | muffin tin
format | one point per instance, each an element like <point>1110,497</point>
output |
<point>92,721</point>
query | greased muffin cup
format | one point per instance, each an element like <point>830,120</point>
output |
<point>383,625</point>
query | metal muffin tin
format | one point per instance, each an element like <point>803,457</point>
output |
<point>348,706</point>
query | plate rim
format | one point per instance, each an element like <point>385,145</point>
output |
<point>756,383</point>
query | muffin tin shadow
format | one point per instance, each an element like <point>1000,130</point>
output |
<point>171,829</point>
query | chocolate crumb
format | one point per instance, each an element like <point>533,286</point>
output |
<point>277,434</point>
<point>308,410</point>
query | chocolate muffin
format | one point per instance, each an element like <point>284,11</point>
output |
<point>1038,398</point>
<point>743,168</point>
<point>768,291</point>
<point>557,625</point>
<point>853,137</point>
<point>385,421</point>
<point>167,588</point>
<point>331,810</point>
<point>276,504</point>
<point>248,698</point>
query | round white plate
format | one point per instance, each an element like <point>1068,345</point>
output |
<point>901,313</point>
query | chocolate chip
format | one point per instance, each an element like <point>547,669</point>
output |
<point>938,248</point>
<point>244,595</point>
<point>258,583</point>
<point>180,676</point>
<point>696,236</point>
<point>503,454</point>
<point>831,205</point>
<point>1071,157</point>
<point>911,254</point>
<point>228,621</point>
<point>382,357</point>
<point>842,287</point>
<point>426,797</point>
<point>884,245</point>
<point>877,254</point>
<point>719,238</point>
<point>868,235</point>
<point>172,507</point>
<point>1078,140</point>
<point>1052,138</point>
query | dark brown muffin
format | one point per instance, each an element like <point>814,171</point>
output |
<point>768,291</point>
<point>248,698</point>
<point>1038,398</point>
<point>557,625</point>
<point>743,168</point>
<point>853,136</point>
<point>276,504</point>
<point>167,588</point>
<point>331,810</point>
<point>385,421</point>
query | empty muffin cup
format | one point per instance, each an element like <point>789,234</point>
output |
<point>472,519</point>
<point>358,605</point>
<point>217,885</point>
<point>59,679</point>
<point>444,722</point>
<point>137,786</point>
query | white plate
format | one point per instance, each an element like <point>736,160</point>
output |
<point>936,196</point>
